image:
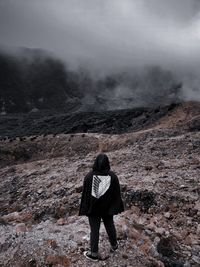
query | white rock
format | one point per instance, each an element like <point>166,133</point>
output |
<point>167,215</point>
<point>160,231</point>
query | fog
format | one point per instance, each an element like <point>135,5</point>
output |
<point>109,35</point>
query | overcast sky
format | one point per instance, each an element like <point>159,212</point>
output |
<point>107,33</point>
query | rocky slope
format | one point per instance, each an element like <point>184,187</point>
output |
<point>158,167</point>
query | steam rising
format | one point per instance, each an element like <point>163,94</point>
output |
<point>110,36</point>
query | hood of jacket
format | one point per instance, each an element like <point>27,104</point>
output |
<point>101,164</point>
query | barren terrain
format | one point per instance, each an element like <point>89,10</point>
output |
<point>158,165</point>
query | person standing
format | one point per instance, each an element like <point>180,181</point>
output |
<point>101,200</point>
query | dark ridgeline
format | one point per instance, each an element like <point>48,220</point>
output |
<point>36,81</point>
<point>108,122</point>
<point>12,86</point>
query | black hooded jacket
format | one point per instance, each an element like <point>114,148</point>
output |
<point>110,202</point>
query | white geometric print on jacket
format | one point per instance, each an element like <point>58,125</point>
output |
<point>100,185</point>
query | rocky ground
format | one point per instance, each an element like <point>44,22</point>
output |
<point>107,122</point>
<point>158,167</point>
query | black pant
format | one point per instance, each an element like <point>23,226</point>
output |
<point>95,222</point>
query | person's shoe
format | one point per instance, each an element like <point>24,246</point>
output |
<point>89,256</point>
<point>114,248</point>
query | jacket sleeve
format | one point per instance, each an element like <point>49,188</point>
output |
<point>85,198</point>
<point>117,205</point>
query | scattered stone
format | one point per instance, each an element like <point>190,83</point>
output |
<point>55,260</point>
<point>40,191</point>
<point>148,168</point>
<point>196,259</point>
<point>134,234</point>
<point>61,221</point>
<point>145,246</point>
<point>161,231</point>
<point>144,199</point>
<point>155,263</point>
<point>198,229</point>
<point>14,216</point>
<point>32,263</point>
<point>167,246</point>
<point>51,243</point>
<point>78,188</point>
<point>197,206</point>
<point>153,251</point>
<point>124,256</point>
<point>20,228</point>
<point>187,264</point>
<point>167,215</point>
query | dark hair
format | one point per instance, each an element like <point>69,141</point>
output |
<point>101,163</point>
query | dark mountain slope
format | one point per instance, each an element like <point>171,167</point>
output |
<point>35,80</point>
<point>112,122</point>
<point>39,82</point>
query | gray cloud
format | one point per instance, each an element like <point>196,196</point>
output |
<point>107,34</point>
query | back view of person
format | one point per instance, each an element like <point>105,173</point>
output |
<point>101,199</point>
